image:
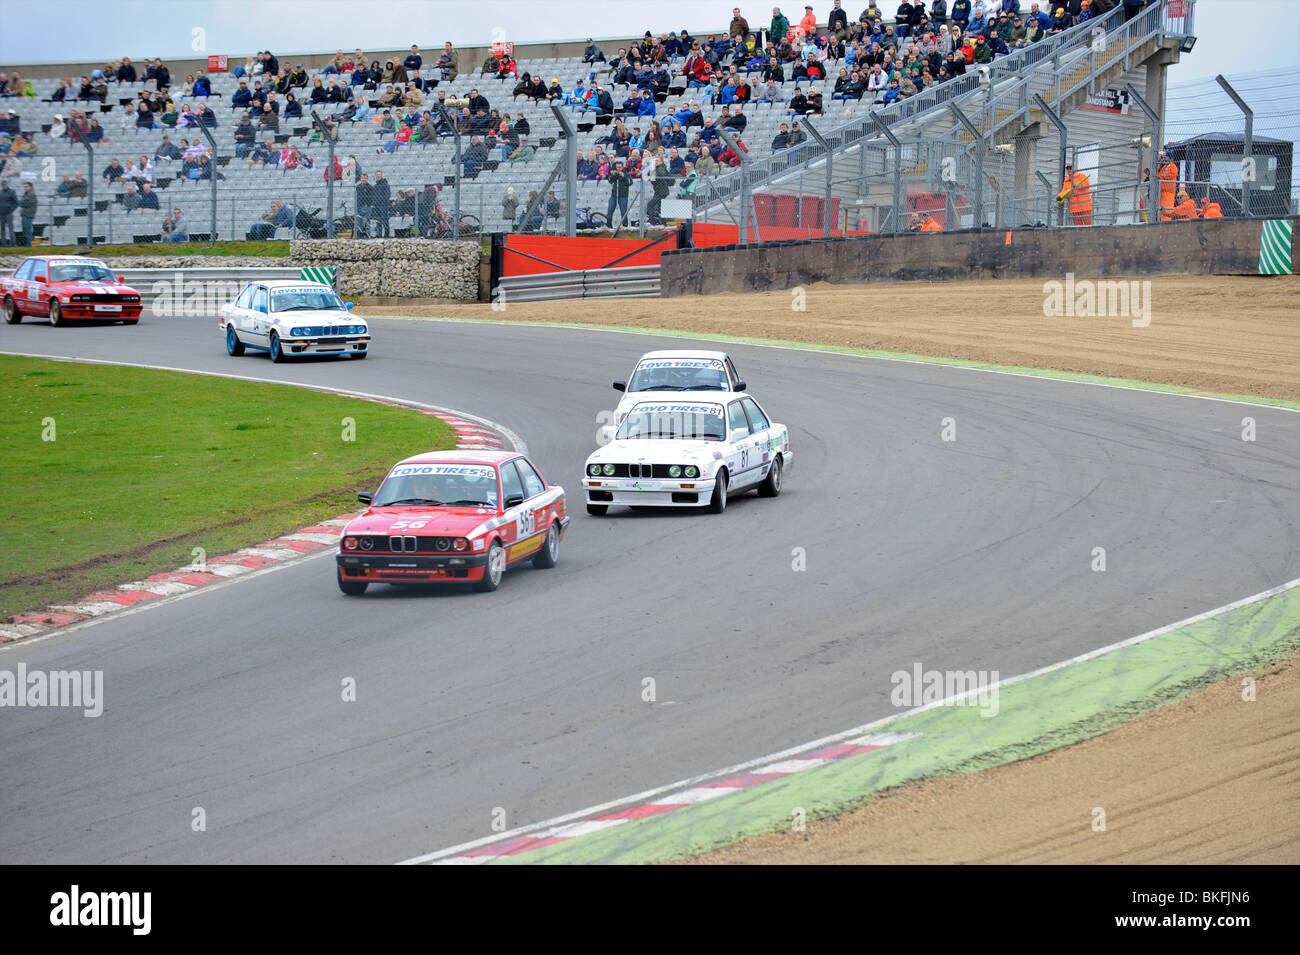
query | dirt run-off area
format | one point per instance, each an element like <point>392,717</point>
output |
<point>1210,778</point>
<point>1235,335</point>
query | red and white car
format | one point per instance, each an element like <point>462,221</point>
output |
<point>66,288</point>
<point>453,517</point>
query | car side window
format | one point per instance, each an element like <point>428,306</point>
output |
<point>731,370</point>
<point>24,271</point>
<point>38,269</point>
<point>245,298</point>
<point>757,420</point>
<point>511,486</point>
<point>739,422</point>
<point>259,299</point>
<point>533,485</point>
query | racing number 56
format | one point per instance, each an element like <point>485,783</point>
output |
<point>525,524</point>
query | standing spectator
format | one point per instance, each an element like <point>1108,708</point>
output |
<point>837,23</point>
<point>447,62</point>
<point>175,228</point>
<point>510,205</point>
<point>27,210</point>
<point>381,202</point>
<point>620,185</point>
<point>8,205</point>
<point>412,64</point>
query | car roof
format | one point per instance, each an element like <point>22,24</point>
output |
<point>690,397</point>
<point>459,457</point>
<point>67,258</point>
<point>682,353</point>
<point>289,283</point>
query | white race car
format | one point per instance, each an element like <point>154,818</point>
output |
<point>676,371</point>
<point>688,452</point>
<point>288,318</point>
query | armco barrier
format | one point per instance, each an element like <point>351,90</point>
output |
<point>637,282</point>
<point>1200,247</point>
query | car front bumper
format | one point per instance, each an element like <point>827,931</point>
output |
<point>646,493</point>
<point>351,345</point>
<point>410,568</point>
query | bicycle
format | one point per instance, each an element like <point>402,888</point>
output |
<point>587,218</point>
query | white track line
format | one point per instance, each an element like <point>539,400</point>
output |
<point>655,794</point>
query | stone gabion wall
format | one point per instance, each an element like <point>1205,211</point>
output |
<point>397,268</point>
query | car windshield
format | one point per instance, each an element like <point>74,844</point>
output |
<point>439,486</point>
<point>673,422</point>
<point>81,272</point>
<point>304,301</point>
<point>679,374</point>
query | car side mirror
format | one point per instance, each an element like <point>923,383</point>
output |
<point>620,386</point>
<point>349,305</point>
<point>740,386</point>
<point>40,278</point>
<point>514,500</point>
<point>365,497</point>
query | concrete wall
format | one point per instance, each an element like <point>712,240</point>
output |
<point>1213,247</point>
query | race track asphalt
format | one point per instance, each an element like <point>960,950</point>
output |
<point>974,554</point>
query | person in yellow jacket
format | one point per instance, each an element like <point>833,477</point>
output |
<point>1078,189</point>
<point>1185,209</point>
<point>1168,183</point>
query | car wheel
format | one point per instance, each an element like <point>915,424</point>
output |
<point>56,314</point>
<point>234,347</point>
<point>771,486</point>
<point>277,353</point>
<point>353,588</point>
<point>495,567</point>
<point>550,552</point>
<point>597,510</point>
<point>718,503</point>
<point>12,315</point>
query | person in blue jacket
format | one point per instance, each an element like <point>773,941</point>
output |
<point>647,105</point>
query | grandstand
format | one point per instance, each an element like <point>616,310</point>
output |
<point>245,192</point>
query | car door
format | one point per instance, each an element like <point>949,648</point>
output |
<point>38,288</point>
<point>739,446</point>
<point>513,500</point>
<point>533,514</point>
<point>258,314</point>
<point>761,427</point>
<point>20,285</point>
<point>235,312</point>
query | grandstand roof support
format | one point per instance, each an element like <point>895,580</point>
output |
<point>1153,152</point>
<point>981,146</point>
<point>1065,145</point>
<point>329,175</point>
<point>898,163</point>
<point>830,166</point>
<point>571,171</point>
<point>74,133</point>
<point>1249,144</point>
<point>455,226</point>
<point>746,189</point>
<point>212,170</point>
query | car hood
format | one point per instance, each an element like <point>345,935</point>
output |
<point>93,288</point>
<point>440,521</point>
<point>655,451</point>
<point>323,316</point>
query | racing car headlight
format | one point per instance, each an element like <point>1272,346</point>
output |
<point>594,470</point>
<point>608,469</point>
<point>349,543</point>
<point>692,471</point>
<point>298,331</point>
<point>675,471</point>
<point>460,543</point>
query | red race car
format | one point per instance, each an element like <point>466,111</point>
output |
<point>65,288</point>
<point>453,517</point>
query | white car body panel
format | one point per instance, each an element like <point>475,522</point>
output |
<point>684,359</point>
<point>330,331</point>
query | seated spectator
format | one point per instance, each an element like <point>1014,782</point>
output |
<point>175,228</point>
<point>264,153</point>
<point>64,189</point>
<point>130,198</point>
<point>280,216</point>
<point>114,171</point>
<point>161,76</point>
<point>293,109</point>
<point>591,53</point>
<point>148,198</point>
<point>524,153</point>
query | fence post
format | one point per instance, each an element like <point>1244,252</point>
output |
<point>570,170</point>
<point>1065,145</point>
<point>329,176</point>
<point>898,162</point>
<point>1153,183</point>
<point>979,162</point>
<point>74,133</point>
<point>830,163</point>
<point>212,171</point>
<point>1248,150</point>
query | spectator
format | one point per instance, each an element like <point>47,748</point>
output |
<point>837,23</point>
<point>413,62</point>
<point>524,153</point>
<point>591,53</point>
<point>706,165</point>
<point>27,211</point>
<point>509,206</point>
<point>130,198</point>
<point>381,202</point>
<point>474,157</point>
<point>166,149</point>
<point>264,154</point>
<point>114,171</point>
<point>8,205</point>
<point>447,62</point>
<point>782,139</point>
<point>160,75</point>
<point>126,72</point>
<point>798,103</point>
<point>148,198</point>
<point>292,108</point>
<point>620,185</point>
<point>174,228</point>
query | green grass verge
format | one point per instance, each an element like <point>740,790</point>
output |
<point>871,353</point>
<point>146,465</point>
<point>268,249</point>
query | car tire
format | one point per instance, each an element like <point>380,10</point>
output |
<point>718,503</point>
<point>56,314</point>
<point>494,569</point>
<point>277,353</point>
<point>771,486</point>
<point>234,347</point>
<point>549,555</point>
<point>597,510</point>
<point>12,315</point>
<point>353,588</point>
